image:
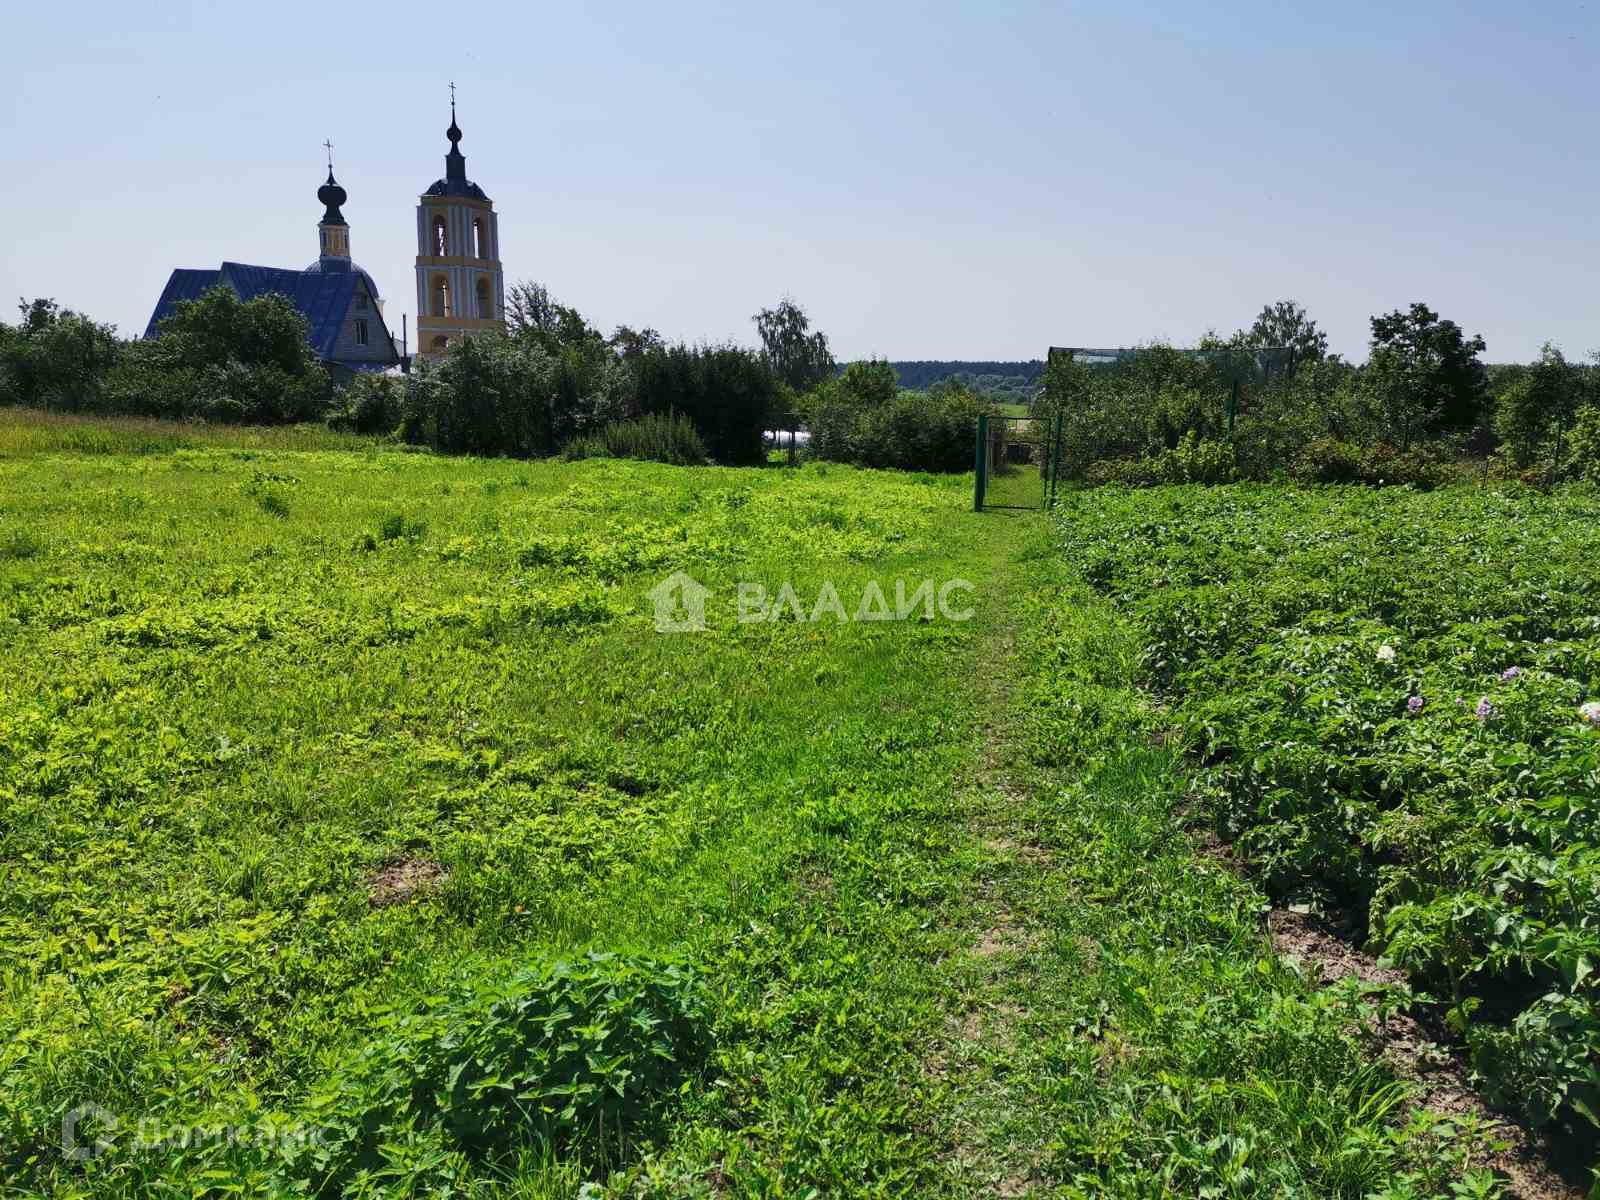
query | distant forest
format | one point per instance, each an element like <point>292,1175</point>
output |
<point>999,382</point>
<point>917,376</point>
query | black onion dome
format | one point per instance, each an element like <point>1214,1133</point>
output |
<point>332,196</point>
<point>455,181</point>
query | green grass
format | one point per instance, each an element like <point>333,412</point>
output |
<point>314,761</point>
<point>25,432</point>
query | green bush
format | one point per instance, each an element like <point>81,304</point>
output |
<point>222,359</point>
<point>1191,461</point>
<point>496,395</point>
<point>215,359</point>
<point>575,1054</point>
<point>857,419</point>
<point>1420,467</point>
<point>369,403</point>
<point>654,437</point>
<point>1329,460</point>
<point>727,393</point>
<point>55,359</point>
<point>1582,460</point>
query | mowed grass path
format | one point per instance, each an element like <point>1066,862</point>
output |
<point>291,739</point>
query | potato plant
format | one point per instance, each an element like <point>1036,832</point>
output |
<point>1391,700</point>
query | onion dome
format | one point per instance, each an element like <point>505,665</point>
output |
<point>332,196</point>
<point>455,181</point>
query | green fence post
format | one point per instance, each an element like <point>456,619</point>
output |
<point>980,463</point>
<point>1233,407</point>
<point>1055,457</point>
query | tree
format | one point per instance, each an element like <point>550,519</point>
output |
<point>1424,374</point>
<point>872,383</point>
<point>497,394</point>
<point>629,343</point>
<point>530,309</point>
<point>1286,324</point>
<point>726,391</point>
<point>224,359</point>
<point>1538,406</point>
<point>533,313</point>
<point>267,331</point>
<point>798,358</point>
<point>55,358</point>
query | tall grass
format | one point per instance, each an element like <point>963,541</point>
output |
<point>28,431</point>
<point>654,437</point>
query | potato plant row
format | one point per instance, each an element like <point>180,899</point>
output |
<point>1392,701</point>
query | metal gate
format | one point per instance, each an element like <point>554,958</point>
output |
<point>1017,460</point>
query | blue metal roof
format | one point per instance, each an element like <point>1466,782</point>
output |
<point>321,297</point>
<point>184,285</point>
<point>333,266</point>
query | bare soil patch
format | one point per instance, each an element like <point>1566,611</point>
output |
<point>401,880</point>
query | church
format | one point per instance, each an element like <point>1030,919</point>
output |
<point>460,285</point>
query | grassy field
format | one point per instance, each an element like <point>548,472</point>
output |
<point>355,789</point>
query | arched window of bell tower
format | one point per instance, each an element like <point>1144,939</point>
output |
<point>440,289</point>
<point>441,236</point>
<point>480,239</point>
<point>485,308</point>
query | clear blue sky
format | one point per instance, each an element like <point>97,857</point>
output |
<point>930,181</point>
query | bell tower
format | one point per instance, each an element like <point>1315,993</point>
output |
<point>460,286</point>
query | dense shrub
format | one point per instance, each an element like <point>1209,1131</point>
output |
<point>555,382</point>
<point>1583,446</point>
<point>663,437</point>
<point>1141,406</point>
<point>55,359</point>
<point>496,395</point>
<point>578,1054</point>
<point>725,391</point>
<point>1329,460</point>
<point>1422,391</point>
<point>859,419</point>
<point>1190,461</point>
<point>369,404</point>
<point>220,358</point>
<point>151,381</point>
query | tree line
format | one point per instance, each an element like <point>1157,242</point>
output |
<point>1268,400</point>
<point>552,383</point>
<point>1271,400</point>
